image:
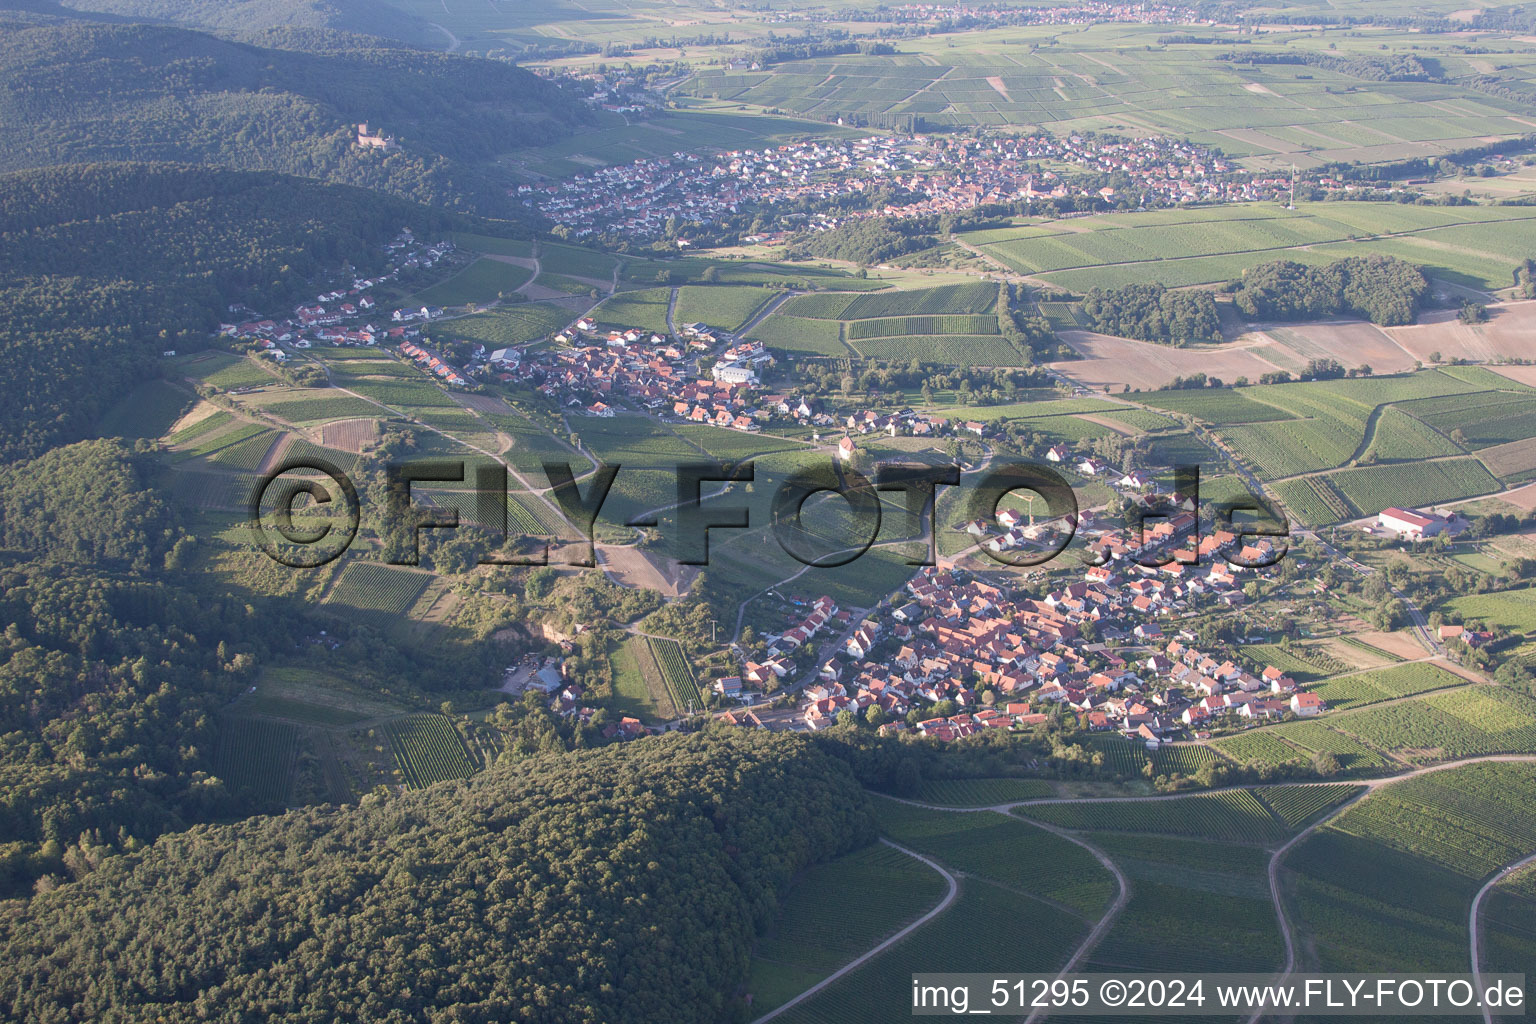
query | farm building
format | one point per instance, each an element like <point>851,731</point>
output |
<point>1411,523</point>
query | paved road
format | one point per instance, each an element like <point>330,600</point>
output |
<point>943,905</point>
<point>1473,925</point>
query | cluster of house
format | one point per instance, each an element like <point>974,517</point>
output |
<point>989,13</point>
<point>929,174</point>
<point>432,363</point>
<point>592,369</point>
<point>958,635</point>
<point>339,316</point>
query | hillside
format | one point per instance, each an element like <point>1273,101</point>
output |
<point>107,266</point>
<point>81,93</point>
<point>619,884</point>
<point>245,15</point>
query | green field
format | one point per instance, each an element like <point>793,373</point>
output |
<point>1259,747</point>
<point>982,792</point>
<point>1298,805</point>
<point>1458,723</point>
<point>676,673</point>
<point>834,912</point>
<point>255,756</point>
<point>513,324</point>
<point>724,306</point>
<point>428,749</point>
<point>1430,841</point>
<point>372,587</point>
<point>797,335</point>
<point>481,281</point>
<point>149,410</point>
<point>1231,816</point>
<point>1359,689</point>
<point>1195,905</point>
<point>1508,610</point>
<point>645,309</point>
<point>1002,849</point>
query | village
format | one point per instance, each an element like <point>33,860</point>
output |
<point>901,176</point>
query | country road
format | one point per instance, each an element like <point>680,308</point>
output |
<point>1474,926</point>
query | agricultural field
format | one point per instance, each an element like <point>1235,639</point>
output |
<point>895,326</point>
<point>1373,488</point>
<point>306,407</point>
<point>417,392</point>
<point>676,673</point>
<point>428,749</point>
<point>1509,924</point>
<point>1430,840</point>
<point>982,792</point>
<point>1458,723</point>
<point>255,756</point>
<point>834,912</point>
<point>481,281</point>
<point>1360,689</point>
<point>1298,805</point>
<point>724,306</point>
<point>382,589</point>
<point>950,349</point>
<point>1195,906</point>
<point>225,370</point>
<point>1508,610</point>
<point>798,335</point>
<point>1315,737</point>
<point>949,298</point>
<point>1005,850</point>
<point>1181,760</point>
<point>247,454</point>
<point>513,324</point>
<point>1230,816</point>
<point>639,689</point>
<point>149,410</point>
<point>645,309</point>
<point>1259,747</point>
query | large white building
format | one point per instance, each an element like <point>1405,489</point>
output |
<point>1411,523</point>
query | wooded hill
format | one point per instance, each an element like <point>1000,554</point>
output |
<point>621,884</point>
<point>104,267</point>
<point>82,93</point>
<point>240,16</point>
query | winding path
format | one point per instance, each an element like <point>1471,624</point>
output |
<point>943,905</point>
<point>1474,926</point>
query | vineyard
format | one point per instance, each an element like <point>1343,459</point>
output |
<point>886,327</point>
<point>1260,747</point>
<point>951,349</point>
<point>1230,816</point>
<point>1458,723</point>
<point>247,454</point>
<point>1412,484</point>
<point>1217,918</point>
<point>1006,850</point>
<point>675,671</point>
<point>833,913</point>
<point>1360,689</point>
<point>1121,756</point>
<point>428,749</point>
<point>1182,760</point>
<point>1470,819</point>
<point>982,792</point>
<point>372,586</point>
<point>949,298</point>
<point>1297,805</point>
<point>256,756</point>
<point>1314,737</point>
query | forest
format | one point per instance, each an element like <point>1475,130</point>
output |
<point>83,93</point>
<point>625,883</point>
<point>1383,289</point>
<point>104,267</point>
<point>1150,312</point>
